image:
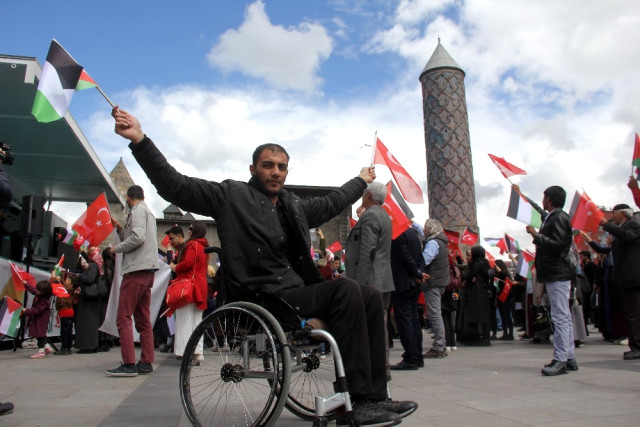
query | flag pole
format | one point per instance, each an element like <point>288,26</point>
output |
<point>375,146</point>
<point>105,96</point>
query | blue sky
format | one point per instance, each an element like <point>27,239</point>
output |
<point>551,86</point>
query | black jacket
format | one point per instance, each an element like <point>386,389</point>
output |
<point>553,243</point>
<point>407,263</point>
<point>626,253</point>
<point>255,244</point>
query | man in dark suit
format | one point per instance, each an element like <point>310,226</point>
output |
<point>626,252</point>
<point>408,274</point>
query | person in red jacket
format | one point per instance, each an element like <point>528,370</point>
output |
<point>192,262</point>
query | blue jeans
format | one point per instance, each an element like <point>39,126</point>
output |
<point>563,345</point>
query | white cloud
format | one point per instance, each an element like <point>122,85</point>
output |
<point>550,86</point>
<point>288,58</point>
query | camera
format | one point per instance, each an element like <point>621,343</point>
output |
<point>7,156</point>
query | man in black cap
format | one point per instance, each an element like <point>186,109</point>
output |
<point>626,253</point>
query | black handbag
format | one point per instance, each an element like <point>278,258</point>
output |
<point>99,289</point>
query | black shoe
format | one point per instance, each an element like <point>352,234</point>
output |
<point>404,366</point>
<point>144,368</point>
<point>483,343</point>
<point>367,413</point>
<point>401,407</point>
<point>167,349</point>
<point>62,352</point>
<point>86,351</point>
<point>554,368</point>
<point>128,370</point>
<point>508,337</point>
<point>631,355</point>
<point>421,362</point>
<point>572,365</point>
<point>6,408</point>
<point>104,348</point>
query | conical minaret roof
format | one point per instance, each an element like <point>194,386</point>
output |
<point>440,59</point>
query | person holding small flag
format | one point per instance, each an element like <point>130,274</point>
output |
<point>554,269</point>
<point>66,315</point>
<point>260,215</point>
<point>626,252</point>
<point>38,316</point>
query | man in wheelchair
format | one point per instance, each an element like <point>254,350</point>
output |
<point>264,232</point>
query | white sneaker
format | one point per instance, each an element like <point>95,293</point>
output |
<point>48,349</point>
<point>454,348</point>
<point>448,349</point>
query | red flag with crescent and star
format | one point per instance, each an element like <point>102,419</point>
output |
<point>410,190</point>
<point>95,223</point>
<point>585,215</point>
<point>469,237</point>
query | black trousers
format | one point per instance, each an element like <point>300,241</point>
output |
<point>355,315</point>
<point>66,332</point>
<point>631,302</point>
<point>449,328</point>
<point>405,311</point>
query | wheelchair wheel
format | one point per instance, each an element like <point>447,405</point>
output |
<point>245,374</point>
<point>312,374</point>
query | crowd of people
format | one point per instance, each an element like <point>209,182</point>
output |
<point>386,288</point>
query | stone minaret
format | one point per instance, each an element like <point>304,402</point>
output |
<point>451,189</point>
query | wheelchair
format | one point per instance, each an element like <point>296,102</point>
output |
<point>248,360</point>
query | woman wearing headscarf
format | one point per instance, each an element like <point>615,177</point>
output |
<point>89,308</point>
<point>478,294</point>
<point>192,262</point>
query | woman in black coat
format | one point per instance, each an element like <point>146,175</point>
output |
<point>88,311</point>
<point>477,294</point>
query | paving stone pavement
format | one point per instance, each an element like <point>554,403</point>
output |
<point>499,385</point>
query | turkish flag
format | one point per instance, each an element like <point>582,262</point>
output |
<point>18,275</point>
<point>490,258</point>
<point>585,215</point>
<point>505,290</point>
<point>410,190</point>
<point>165,242</point>
<point>454,240</point>
<point>469,237</point>
<point>506,168</point>
<point>95,223</point>
<point>59,290</point>
<point>352,222</point>
<point>335,246</point>
<point>399,221</point>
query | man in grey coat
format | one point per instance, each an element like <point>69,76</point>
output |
<point>139,262</point>
<point>368,250</point>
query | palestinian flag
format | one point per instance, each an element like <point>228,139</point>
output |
<point>71,237</point>
<point>521,210</point>
<point>85,81</point>
<point>58,81</point>
<point>57,269</point>
<point>525,264</point>
<point>10,317</point>
<point>511,244</point>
